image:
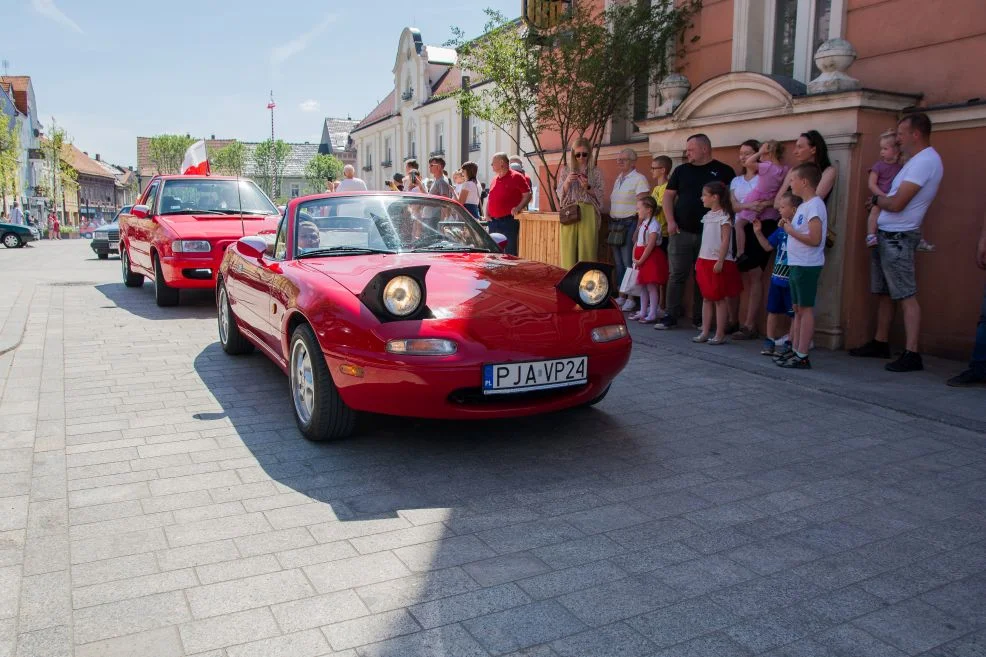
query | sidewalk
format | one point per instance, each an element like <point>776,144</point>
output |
<point>15,306</point>
<point>917,394</point>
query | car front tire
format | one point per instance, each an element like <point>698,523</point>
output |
<point>130,279</point>
<point>103,256</point>
<point>12,241</point>
<point>164,295</point>
<point>319,410</point>
<point>233,342</point>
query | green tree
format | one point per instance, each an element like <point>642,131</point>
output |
<point>9,152</point>
<point>569,80</point>
<point>270,159</point>
<point>54,148</point>
<point>229,160</point>
<point>322,167</point>
<point>166,152</point>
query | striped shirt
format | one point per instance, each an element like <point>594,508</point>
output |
<point>623,199</point>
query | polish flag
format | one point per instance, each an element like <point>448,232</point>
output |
<point>196,162</point>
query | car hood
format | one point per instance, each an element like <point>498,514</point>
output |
<point>15,227</point>
<point>461,284</point>
<point>107,227</point>
<point>210,226</point>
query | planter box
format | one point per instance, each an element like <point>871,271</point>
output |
<point>540,238</point>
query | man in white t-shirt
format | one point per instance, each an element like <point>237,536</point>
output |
<point>899,232</point>
<point>630,185</point>
<point>349,182</point>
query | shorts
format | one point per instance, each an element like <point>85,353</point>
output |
<point>892,264</point>
<point>716,287</point>
<point>756,256</point>
<point>804,285</point>
<point>779,300</point>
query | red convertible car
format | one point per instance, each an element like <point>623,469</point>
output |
<point>180,227</point>
<point>402,304</point>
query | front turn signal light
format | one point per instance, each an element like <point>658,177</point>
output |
<point>609,333</point>
<point>422,347</point>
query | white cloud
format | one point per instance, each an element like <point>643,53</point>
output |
<point>48,9</point>
<point>310,105</point>
<point>281,54</point>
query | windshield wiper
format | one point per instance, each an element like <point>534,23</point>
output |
<point>459,248</point>
<point>341,250</point>
<point>191,211</point>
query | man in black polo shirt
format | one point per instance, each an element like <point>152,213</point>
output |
<point>683,208</point>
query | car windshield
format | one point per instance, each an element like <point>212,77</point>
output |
<point>214,197</point>
<point>389,223</point>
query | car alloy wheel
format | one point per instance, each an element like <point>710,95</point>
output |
<point>11,240</point>
<point>232,340</point>
<point>302,382</point>
<point>319,410</point>
<point>130,279</point>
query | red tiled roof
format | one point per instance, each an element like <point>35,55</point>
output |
<point>146,168</point>
<point>17,86</point>
<point>83,163</point>
<point>382,111</point>
<point>450,82</point>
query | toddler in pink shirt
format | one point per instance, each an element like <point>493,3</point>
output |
<point>770,177</point>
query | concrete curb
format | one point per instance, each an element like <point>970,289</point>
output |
<point>14,324</point>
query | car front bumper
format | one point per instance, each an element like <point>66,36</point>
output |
<point>188,271</point>
<point>104,246</point>
<point>451,387</point>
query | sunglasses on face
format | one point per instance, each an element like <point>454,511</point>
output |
<point>580,155</point>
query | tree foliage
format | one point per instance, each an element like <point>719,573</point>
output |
<point>570,80</point>
<point>270,158</point>
<point>166,152</point>
<point>229,160</point>
<point>322,167</point>
<point>9,151</point>
<point>60,173</point>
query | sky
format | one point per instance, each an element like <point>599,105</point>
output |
<point>109,71</point>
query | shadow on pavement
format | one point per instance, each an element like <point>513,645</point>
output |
<point>139,301</point>
<point>394,466</point>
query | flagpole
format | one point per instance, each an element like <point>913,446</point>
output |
<point>273,177</point>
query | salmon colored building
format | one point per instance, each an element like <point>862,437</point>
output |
<point>772,69</point>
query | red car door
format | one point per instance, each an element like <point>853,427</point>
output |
<point>140,233</point>
<point>248,286</point>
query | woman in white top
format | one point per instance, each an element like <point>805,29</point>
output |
<point>468,194</point>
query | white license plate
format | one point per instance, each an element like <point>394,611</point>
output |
<point>503,378</point>
<point>114,247</point>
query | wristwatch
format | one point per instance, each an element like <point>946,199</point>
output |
<point>874,199</point>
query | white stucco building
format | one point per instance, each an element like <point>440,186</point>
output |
<point>20,91</point>
<point>418,118</point>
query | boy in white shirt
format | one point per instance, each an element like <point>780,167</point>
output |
<point>806,255</point>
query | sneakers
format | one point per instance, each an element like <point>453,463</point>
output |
<point>967,379</point>
<point>769,348</point>
<point>666,324</point>
<point>795,362</point>
<point>872,349</point>
<point>629,305</point>
<point>909,361</point>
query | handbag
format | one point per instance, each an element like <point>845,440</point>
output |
<point>617,235</point>
<point>570,214</point>
<point>629,286</point>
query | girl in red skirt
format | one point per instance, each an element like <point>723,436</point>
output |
<point>649,260</point>
<point>715,271</point>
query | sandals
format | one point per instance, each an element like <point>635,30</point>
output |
<point>634,317</point>
<point>717,341</point>
<point>699,339</point>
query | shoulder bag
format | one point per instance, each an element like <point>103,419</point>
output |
<point>570,214</point>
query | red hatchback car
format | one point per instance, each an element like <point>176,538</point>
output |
<point>180,227</point>
<point>402,304</point>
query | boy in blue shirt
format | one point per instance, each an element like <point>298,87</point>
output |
<point>779,296</point>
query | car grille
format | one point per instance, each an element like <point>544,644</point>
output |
<point>113,235</point>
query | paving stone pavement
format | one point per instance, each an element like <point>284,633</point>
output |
<point>157,500</point>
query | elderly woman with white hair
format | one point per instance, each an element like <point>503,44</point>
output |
<point>629,187</point>
<point>349,182</point>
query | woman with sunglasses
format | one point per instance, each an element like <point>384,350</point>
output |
<point>580,182</point>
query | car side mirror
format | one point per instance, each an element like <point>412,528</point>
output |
<point>501,241</point>
<point>140,211</point>
<point>252,246</point>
